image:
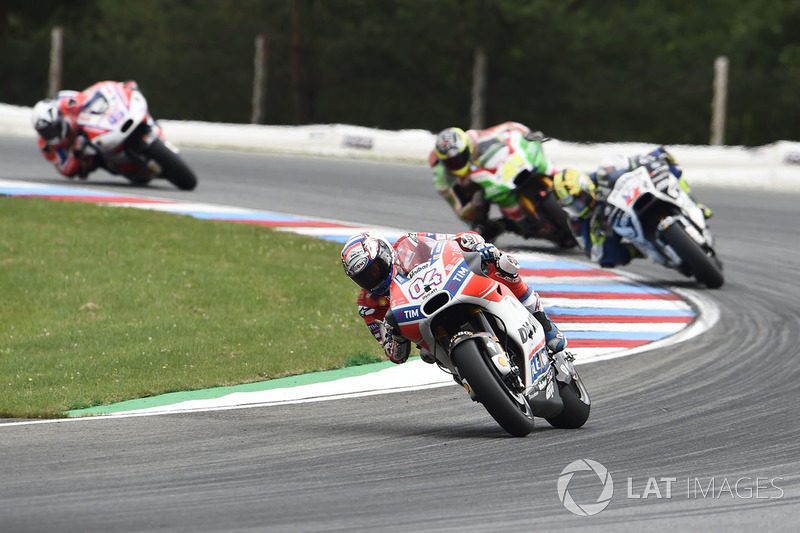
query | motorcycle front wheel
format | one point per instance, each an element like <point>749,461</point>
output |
<point>705,267</point>
<point>509,408</point>
<point>173,168</point>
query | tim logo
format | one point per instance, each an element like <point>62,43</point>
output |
<point>457,278</point>
<point>410,313</point>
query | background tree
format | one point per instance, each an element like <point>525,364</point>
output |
<point>578,70</point>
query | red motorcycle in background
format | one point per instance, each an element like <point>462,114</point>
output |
<point>124,138</point>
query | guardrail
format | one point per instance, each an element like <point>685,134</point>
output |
<point>773,166</point>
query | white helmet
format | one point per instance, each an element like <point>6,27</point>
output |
<point>49,122</point>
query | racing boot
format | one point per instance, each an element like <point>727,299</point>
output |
<point>553,337</point>
<point>426,356</point>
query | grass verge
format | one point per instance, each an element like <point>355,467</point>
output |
<point>104,304</point>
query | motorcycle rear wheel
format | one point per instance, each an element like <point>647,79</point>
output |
<point>576,406</point>
<point>548,209</point>
<point>173,168</point>
<point>551,210</point>
<point>509,408</point>
<point>706,268</point>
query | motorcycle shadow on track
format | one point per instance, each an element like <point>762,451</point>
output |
<point>437,428</point>
<point>477,430</point>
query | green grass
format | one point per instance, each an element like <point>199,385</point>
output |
<point>103,304</point>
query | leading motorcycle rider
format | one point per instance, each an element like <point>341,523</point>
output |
<point>455,154</point>
<point>583,197</point>
<point>60,137</point>
<point>371,262</point>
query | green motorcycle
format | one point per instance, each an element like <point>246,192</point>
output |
<point>515,174</point>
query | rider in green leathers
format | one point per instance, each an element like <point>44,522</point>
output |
<point>459,156</point>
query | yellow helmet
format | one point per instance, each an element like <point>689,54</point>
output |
<point>575,192</point>
<point>454,149</point>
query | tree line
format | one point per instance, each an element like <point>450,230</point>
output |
<point>583,71</point>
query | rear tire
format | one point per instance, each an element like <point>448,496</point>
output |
<point>509,408</point>
<point>576,406</point>
<point>551,210</point>
<point>548,211</point>
<point>173,168</point>
<point>705,267</point>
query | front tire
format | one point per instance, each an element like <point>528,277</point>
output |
<point>509,408</point>
<point>173,168</point>
<point>705,267</point>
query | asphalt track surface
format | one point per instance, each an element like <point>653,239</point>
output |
<point>701,435</point>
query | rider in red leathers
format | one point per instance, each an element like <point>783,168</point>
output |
<point>371,262</point>
<point>56,121</point>
<point>61,139</point>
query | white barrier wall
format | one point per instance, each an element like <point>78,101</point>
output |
<point>774,166</point>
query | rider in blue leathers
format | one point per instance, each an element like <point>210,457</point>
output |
<point>583,196</point>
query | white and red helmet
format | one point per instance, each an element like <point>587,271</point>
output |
<point>49,122</point>
<point>369,261</point>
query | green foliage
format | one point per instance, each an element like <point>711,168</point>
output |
<point>582,71</point>
<point>103,304</point>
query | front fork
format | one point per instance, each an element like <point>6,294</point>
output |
<point>564,367</point>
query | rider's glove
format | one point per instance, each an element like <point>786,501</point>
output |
<point>489,252</point>
<point>396,347</point>
<point>661,153</point>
